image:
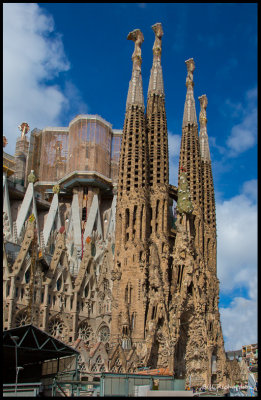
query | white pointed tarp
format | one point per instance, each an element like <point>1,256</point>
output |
<point>53,215</point>
<point>94,216</point>
<point>29,203</point>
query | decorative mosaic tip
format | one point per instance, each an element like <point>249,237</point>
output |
<point>138,39</point>
<point>189,116</point>
<point>203,106</point>
<point>157,29</point>
<point>56,189</point>
<point>203,136</point>
<point>156,79</point>
<point>135,93</point>
<point>190,68</point>
<point>31,218</point>
<point>31,177</point>
<point>24,128</point>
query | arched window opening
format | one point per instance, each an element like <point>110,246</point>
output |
<point>134,215</point>
<point>157,209</point>
<point>190,289</point>
<point>59,284</point>
<point>27,276</point>
<point>133,317</point>
<point>141,220</point>
<point>84,214</point>
<point>127,218</point>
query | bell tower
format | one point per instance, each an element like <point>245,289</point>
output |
<point>132,218</point>
<point>190,154</point>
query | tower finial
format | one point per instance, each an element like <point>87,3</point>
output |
<point>203,136</point>
<point>156,79</point>
<point>24,128</point>
<point>203,106</point>
<point>190,68</point>
<point>138,39</point>
<point>189,116</point>
<point>135,93</point>
<point>157,29</point>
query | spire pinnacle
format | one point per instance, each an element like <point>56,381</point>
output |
<point>189,116</point>
<point>156,80</point>
<point>203,136</point>
<point>135,93</point>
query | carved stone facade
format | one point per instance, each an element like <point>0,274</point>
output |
<point>93,251</point>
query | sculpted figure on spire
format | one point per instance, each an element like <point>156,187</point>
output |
<point>189,116</point>
<point>138,38</point>
<point>135,93</point>
<point>203,137</point>
<point>203,106</point>
<point>190,67</point>
<point>157,28</point>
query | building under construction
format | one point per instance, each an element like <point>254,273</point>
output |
<point>102,252</point>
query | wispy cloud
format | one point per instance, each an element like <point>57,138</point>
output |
<point>227,69</point>
<point>211,41</point>
<point>180,30</point>
<point>33,57</point>
<point>244,134</point>
<point>142,5</point>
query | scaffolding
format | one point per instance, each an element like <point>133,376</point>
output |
<point>89,146</point>
<point>54,152</point>
<point>115,154</point>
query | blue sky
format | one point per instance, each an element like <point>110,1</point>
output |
<point>64,59</point>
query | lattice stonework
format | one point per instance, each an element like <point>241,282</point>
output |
<point>22,319</point>
<point>85,332</point>
<point>57,328</point>
<point>104,334</point>
<point>117,367</point>
<point>81,365</point>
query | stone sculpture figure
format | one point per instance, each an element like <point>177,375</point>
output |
<point>190,68</point>
<point>203,106</point>
<point>157,28</point>
<point>138,39</point>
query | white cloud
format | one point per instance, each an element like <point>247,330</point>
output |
<point>33,55</point>
<point>174,144</point>
<point>174,149</point>
<point>237,264</point>
<point>239,323</point>
<point>237,238</point>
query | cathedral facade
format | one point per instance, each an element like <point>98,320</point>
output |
<point>102,252</point>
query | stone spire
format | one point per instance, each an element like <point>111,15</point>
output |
<point>208,194</point>
<point>156,118</point>
<point>135,93</point>
<point>132,216</point>
<point>203,136</point>
<point>156,80</point>
<point>190,116</point>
